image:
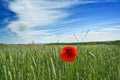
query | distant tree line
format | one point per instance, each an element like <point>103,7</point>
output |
<point>117,42</point>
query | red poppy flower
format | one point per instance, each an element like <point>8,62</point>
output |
<point>68,54</point>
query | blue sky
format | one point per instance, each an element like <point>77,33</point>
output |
<point>47,21</point>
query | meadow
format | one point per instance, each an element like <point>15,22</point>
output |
<point>93,62</point>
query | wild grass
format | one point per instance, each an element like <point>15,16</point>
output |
<point>94,62</point>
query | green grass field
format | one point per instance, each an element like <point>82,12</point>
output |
<point>93,62</point>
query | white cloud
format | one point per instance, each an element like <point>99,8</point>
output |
<point>116,28</point>
<point>104,34</point>
<point>91,36</point>
<point>72,21</point>
<point>36,13</point>
<point>55,39</point>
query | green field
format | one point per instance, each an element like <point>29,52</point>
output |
<point>93,62</point>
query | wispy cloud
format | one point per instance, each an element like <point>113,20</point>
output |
<point>117,28</point>
<point>72,21</point>
<point>104,34</point>
<point>91,36</point>
<point>36,13</point>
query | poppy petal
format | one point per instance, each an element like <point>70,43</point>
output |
<point>68,54</point>
<point>66,59</point>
